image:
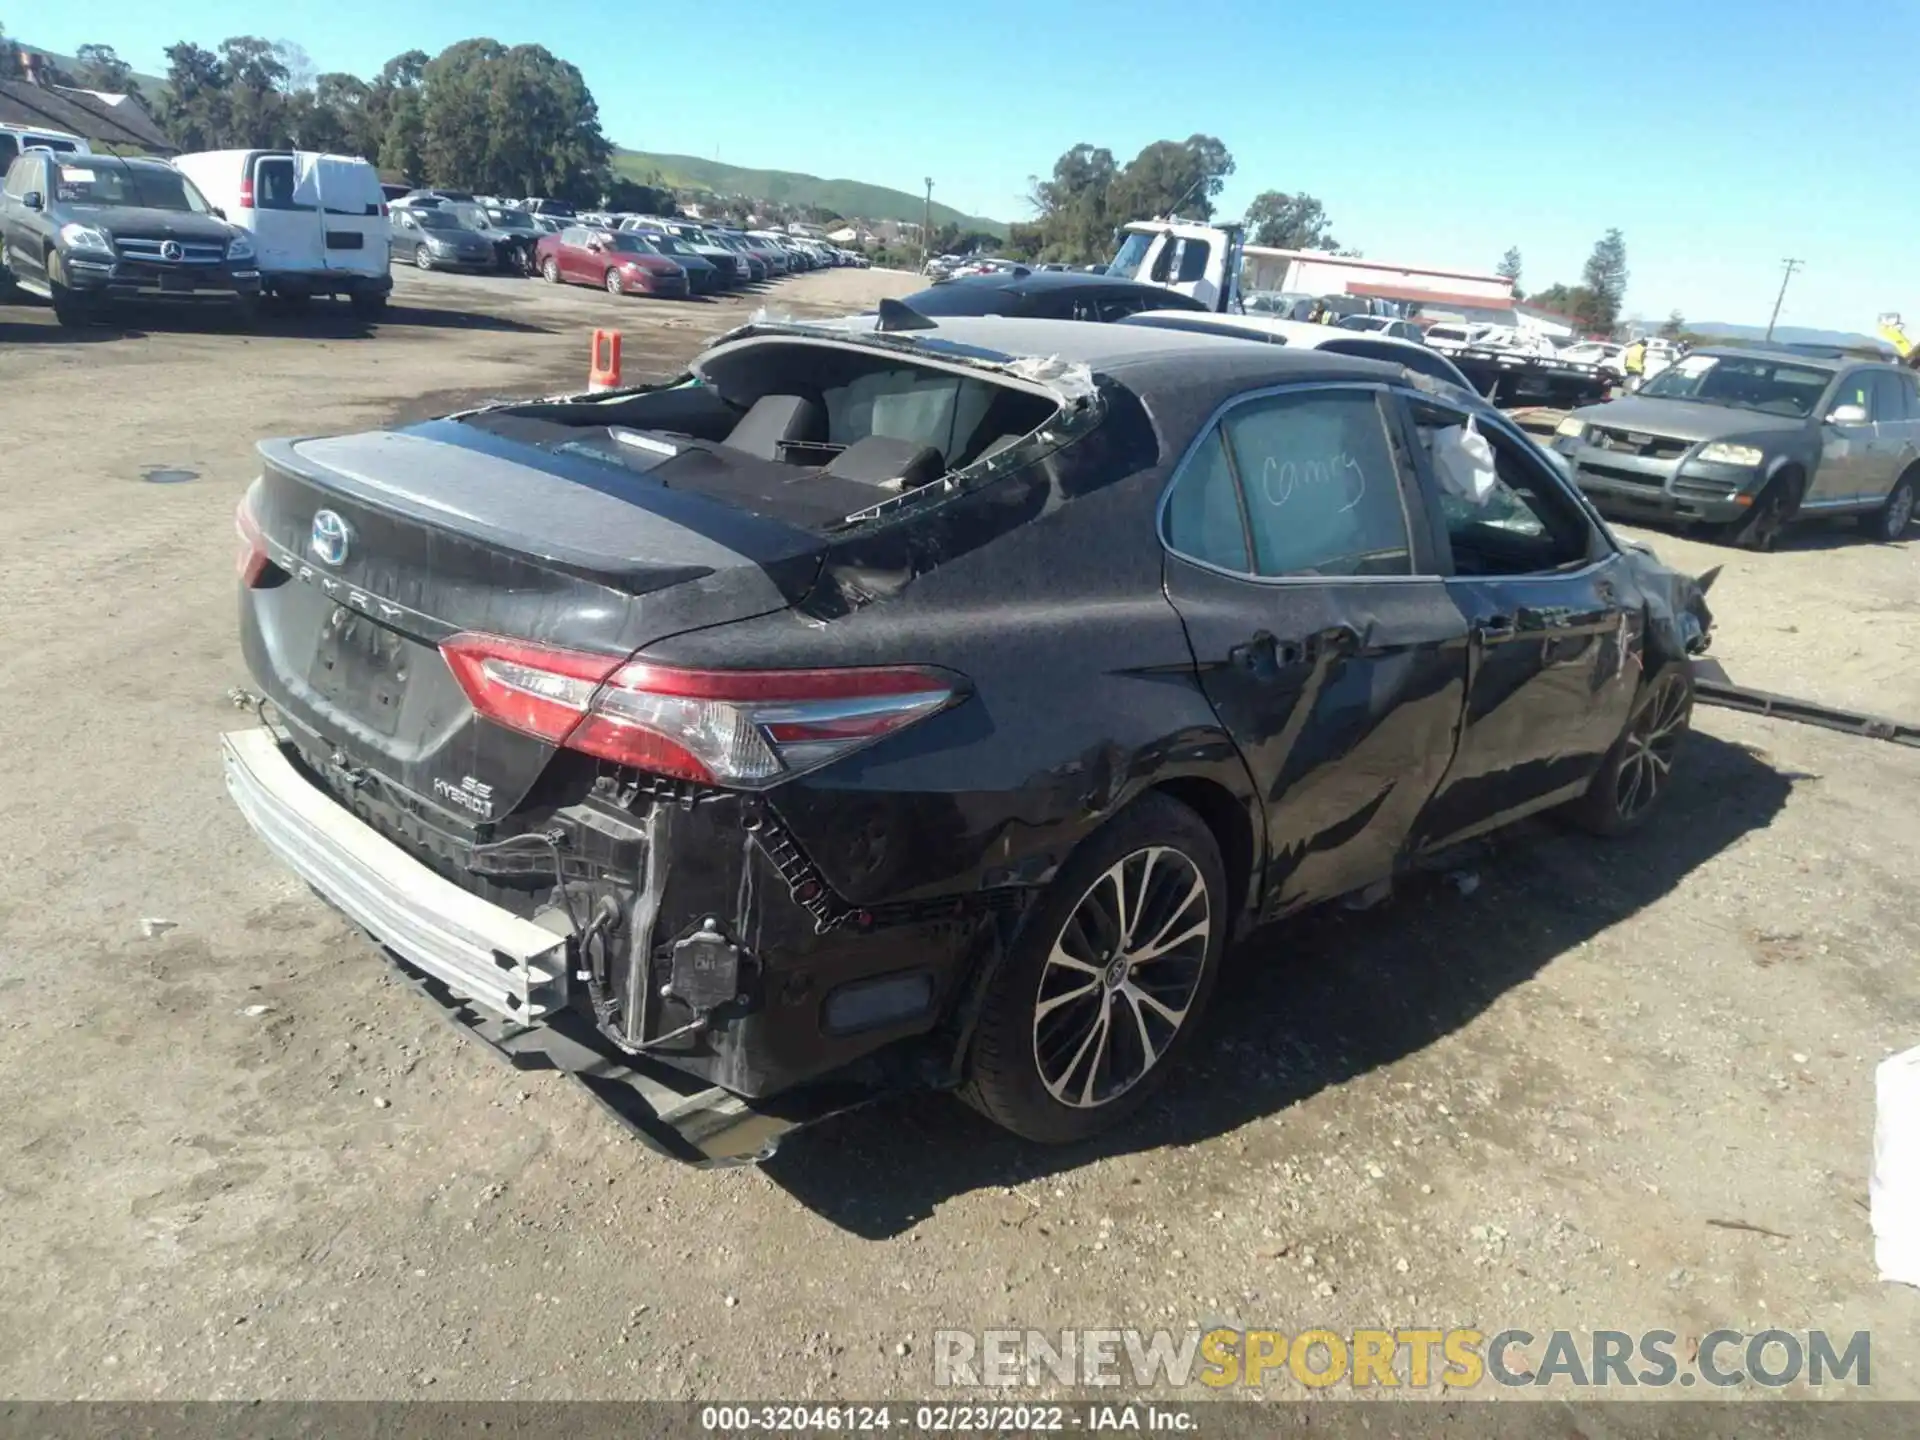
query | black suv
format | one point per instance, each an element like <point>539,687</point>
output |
<point>83,230</point>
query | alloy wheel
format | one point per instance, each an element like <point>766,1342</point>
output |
<point>421,258</point>
<point>613,283</point>
<point>1652,737</point>
<point>1121,977</point>
<point>550,268</point>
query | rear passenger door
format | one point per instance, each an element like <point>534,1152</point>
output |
<point>286,230</point>
<point>1299,560</point>
<point>1896,409</point>
<point>1554,658</point>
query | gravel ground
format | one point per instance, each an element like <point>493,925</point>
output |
<point>240,1161</point>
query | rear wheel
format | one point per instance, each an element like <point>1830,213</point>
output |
<point>1107,979</point>
<point>369,303</point>
<point>1634,777</point>
<point>1890,521</point>
<point>614,286</point>
<point>550,270</point>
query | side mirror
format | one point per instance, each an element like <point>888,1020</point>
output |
<point>1848,415</point>
<point>218,213</point>
<point>32,200</point>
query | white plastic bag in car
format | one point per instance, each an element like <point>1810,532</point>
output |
<point>1895,1186</point>
<point>1463,460</point>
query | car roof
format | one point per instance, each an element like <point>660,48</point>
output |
<point>1138,352</point>
<point>1027,281</point>
<point>1761,352</point>
<point>1302,334</point>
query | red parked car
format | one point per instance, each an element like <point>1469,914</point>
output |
<point>618,259</point>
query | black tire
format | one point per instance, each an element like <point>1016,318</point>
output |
<point>244,312</point>
<point>370,304</point>
<point>550,270</point>
<point>71,308</point>
<point>1889,523</point>
<point>1773,510</point>
<point>1638,770</point>
<point>1166,850</point>
<point>74,311</point>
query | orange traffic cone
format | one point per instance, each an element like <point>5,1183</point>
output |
<point>604,374</point>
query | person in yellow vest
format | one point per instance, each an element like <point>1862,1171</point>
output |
<point>1634,361</point>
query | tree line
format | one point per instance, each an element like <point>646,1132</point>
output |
<point>500,119</point>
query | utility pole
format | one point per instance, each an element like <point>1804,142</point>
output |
<point>926,227</point>
<point>1792,265</point>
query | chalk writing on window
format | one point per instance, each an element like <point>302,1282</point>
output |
<point>1338,472</point>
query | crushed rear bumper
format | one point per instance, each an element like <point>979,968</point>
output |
<point>499,977</point>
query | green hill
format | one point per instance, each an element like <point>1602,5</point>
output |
<point>851,198</point>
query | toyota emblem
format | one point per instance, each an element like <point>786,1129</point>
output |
<point>170,250</point>
<point>330,539</point>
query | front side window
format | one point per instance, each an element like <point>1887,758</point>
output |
<point>1193,261</point>
<point>1313,476</point>
<point>23,175</point>
<point>1527,525</point>
<point>1855,389</point>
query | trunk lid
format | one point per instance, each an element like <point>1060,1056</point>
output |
<point>386,544</point>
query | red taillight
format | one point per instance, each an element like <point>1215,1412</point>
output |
<point>246,194</point>
<point>252,561</point>
<point>383,209</point>
<point>728,727</point>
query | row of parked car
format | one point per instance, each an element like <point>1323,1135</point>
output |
<point>219,229</point>
<point>623,253</point>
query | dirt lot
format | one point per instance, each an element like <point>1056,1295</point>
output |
<point>1540,1103</point>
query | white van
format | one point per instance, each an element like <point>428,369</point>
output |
<point>15,138</point>
<point>319,222</point>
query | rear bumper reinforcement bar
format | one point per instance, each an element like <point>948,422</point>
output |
<point>1711,687</point>
<point>490,972</point>
<point>514,967</point>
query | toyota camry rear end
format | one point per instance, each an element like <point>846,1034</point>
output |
<point>568,705</point>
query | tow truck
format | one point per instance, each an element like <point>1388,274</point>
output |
<point>1205,260</point>
<point>1894,332</point>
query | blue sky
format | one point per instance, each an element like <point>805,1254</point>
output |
<point>1719,135</point>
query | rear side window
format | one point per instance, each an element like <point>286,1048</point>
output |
<point>1204,517</point>
<point>1321,485</point>
<point>1890,397</point>
<point>273,185</point>
<point>1294,485</point>
<point>9,150</point>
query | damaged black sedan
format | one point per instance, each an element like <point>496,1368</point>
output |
<point>881,706</point>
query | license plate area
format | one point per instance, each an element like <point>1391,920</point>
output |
<point>345,240</point>
<point>361,667</point>
<point>175,284</point>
